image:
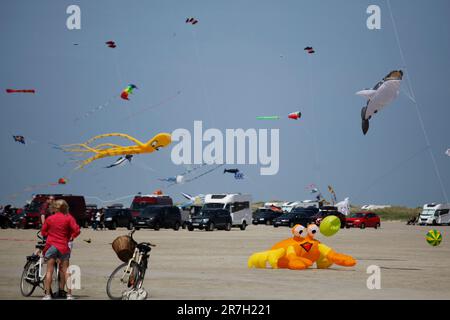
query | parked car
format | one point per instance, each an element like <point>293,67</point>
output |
<point>118,217</point>
<point>211,219</point>
<point>5,221</point>
<point>303,216</point>
<point>156,217</point>
<point>325,213</point>
<point>363,220</point>
<point>265,216</point>
<point>77,208</point>
<point>18,221</point>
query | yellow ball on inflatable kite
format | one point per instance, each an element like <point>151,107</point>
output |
<point>330,226</point>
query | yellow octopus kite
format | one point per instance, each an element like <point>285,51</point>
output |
<point>109,149</point>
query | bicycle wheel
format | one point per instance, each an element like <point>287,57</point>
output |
<point>29,281</point>
<point>121,281</point>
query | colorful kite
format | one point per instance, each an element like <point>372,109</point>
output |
<point>381,95</point>
<point>20,91</point>
<point>333,194</point>
<point>103,150</point>
<point>20,139</point>
<point>310,50</point>
<point>191,21</point>
<point>111,44</point>
<point>128,90</point>
<point>62,181</point>
<point>121,161</point>
<point>300,252</point>
<point>295,115</point>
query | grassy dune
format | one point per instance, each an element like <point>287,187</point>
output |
<point>393,213</point>
<point>396,213</point>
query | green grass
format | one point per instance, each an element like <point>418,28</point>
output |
<point>396,213</point>
<point>392,213</point>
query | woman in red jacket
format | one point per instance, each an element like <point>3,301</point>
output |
<point>60,229</point>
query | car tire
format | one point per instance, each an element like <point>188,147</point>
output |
<point>348,227</point>
<point>275,226</point>
<point>177,226</point>
<point>210,227</point>
<point>362,226</point>
<point>190,228</point>
<point>137,228</point>
<point>228,226</point>
<point>243,226</point>
<point>157,226</point>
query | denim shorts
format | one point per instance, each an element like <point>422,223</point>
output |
<point>53,253</point>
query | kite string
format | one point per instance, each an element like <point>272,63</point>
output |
<point>416,104</point>
<point>392,169</point>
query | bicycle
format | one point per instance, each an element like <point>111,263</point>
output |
<point>34,271</point>
<point>129,276</point>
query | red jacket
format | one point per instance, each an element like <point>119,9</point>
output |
<point>59,229</point>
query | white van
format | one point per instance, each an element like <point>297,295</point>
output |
<point>288,206</point>
<point>435,214</point>
<point>239,206</point>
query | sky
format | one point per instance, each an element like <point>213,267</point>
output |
<point>242,60</point>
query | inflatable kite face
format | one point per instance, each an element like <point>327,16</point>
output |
<point>161,140</point>
<point>298,231</point>
<point>381,95</point>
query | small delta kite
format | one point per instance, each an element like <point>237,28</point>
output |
<point>128,90</point>
<point>20,91</point>
<point>381,95</point>
<point>111,44</point>
<point>191,21</point>
<point>20,139</point>
<point>121,161</point>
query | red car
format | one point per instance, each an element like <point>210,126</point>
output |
<point>363,220</point>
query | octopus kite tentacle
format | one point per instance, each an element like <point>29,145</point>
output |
<point>121,135</point>
<point>109,149</point>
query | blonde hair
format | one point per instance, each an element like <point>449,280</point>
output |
<point>60,206</point>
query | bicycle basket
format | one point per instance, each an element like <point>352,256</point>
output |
<point>124,247</point>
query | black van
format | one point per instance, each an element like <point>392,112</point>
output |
<point>118,217</point>
<point>211,219</point>
<point>156,217</point>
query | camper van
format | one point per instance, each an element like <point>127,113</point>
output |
<point>435,214</point>
<point>239,206</point>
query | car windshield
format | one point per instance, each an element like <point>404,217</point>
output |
<point>151,211</point>
<point>287,215</point>
<point>303,212</point>
<point>357,215</point>
<point>209,213</point>
<point>264,213</point>
<point>427,212</point>
<point>111,212</point>
<point>35,206</point>
<point>213,206</point>
<point>139,205</point>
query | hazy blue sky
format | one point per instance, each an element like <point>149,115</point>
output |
<point>243,59</point>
